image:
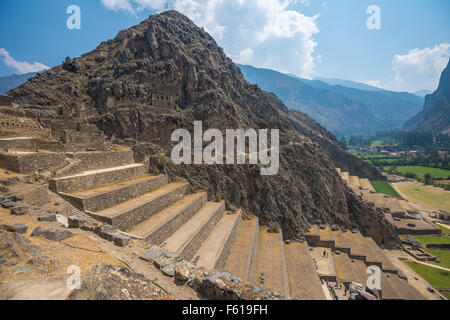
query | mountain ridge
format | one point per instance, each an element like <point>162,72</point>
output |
<point>435,115</point>
<point>340,109</point>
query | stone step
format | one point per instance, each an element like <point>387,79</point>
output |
<point>95,160</point>
<point>387,264</point>
<point>326,238</point>
<point>388,288</point>
<point>133,212</point>
<point>97,178</point>
<point>340,242</point>
<point>406,291</point>
<point>357,251</point>
<point>271,262</point>
<point>101,198</point>
<point>189,237</point>
<point>372,257</point>
<point>344,270</point>
<point>304,282</point>
<point>242,258</point>
<point>165,223</point>
<point>216,249</point>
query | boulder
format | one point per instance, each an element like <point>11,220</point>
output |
<point>168,270</point>
<point>76,222</point>
<point>8,204</point>
<point>152,254</point>
<point>17,228</point>
<point>37,232</point>
<point>49,217</point>
<point>182,274</point>
<point>120,240</point>
<point>19,210</point>
<point>57,235</point>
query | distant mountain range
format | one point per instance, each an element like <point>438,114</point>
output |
<point>10,82</point>
<point>343,107</point>
<point>435,115</point>
<point>422,93</point>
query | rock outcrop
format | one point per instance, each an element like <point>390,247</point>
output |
<point>435,115</point>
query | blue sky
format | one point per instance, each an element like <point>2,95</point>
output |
<point>310,38</point>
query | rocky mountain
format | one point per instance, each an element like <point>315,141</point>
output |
<point>435,115</point>
<point>10,82</point>
<point>165,73</point>
<point>357,109</point>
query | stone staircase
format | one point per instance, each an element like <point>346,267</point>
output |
<point>110,187</point>
<point>353,253</point>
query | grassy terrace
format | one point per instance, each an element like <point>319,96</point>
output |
<point>439,279</point>
<point>427,196</point>
<point>420,171</point>
<point>385,188</point>
<point>441,255</point>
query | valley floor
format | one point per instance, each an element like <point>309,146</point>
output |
<point>427,197</point>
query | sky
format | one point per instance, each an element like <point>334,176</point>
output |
<point>403,45</point>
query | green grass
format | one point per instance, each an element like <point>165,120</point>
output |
<point>420,171</point>
<point>439,279</point>
<point>384,187</point>
<point>442,255</point>
<point>444,229</point>
<point>446,294</point>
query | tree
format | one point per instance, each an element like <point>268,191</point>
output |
<point>428,179</point>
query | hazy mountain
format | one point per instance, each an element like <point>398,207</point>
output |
<point>349,84</point>
<point>422,93</point>
<point>342,110</point>
<point>435,115</point>
<point>10,82</point>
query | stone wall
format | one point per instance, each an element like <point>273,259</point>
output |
<point>6,101</point>
<point>29,163</point>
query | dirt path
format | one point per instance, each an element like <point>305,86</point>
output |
<point>432,265</point>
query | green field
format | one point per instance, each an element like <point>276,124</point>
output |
<point>421,171</point>
<point>384,187</point>
<point>441,255</point>
<point>444,229</point>
<point>439,279</point>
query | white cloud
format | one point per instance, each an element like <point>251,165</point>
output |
<point>117,5</point>
<point>264,33</point>
<point>374,83</point>
<point>21,66</point>
<point>245,56</point>
<point>420,69</point>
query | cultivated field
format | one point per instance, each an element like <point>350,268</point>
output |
<point>428,197</point>
<point>421,171</point>
<point>384,187</point>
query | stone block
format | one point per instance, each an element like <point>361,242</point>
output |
<point>17,228</point>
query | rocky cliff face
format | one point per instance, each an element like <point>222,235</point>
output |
<point>165,73</point>
<point>435,115</point>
